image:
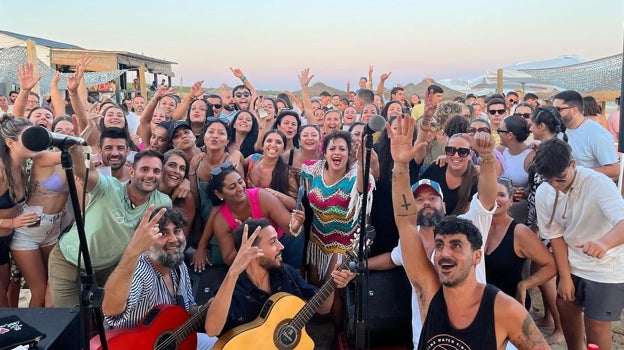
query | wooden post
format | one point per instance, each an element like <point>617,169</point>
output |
<point>31,51</point>
<point>499,81</point>
<point>142,86</point>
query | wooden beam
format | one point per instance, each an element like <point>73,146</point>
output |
<point>31,50</point>
<point>142,86</point>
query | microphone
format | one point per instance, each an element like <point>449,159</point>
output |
<point>375,123</point>
<point>37,138</point>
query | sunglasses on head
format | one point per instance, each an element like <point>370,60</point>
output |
<point>472,130</point>
<point>461,151</point>
<point>226,165</point>
<point>524,115</point>
<point>241,94</point>
<point>220,119</point>
<point>494,111</point>
<point>506,180</point>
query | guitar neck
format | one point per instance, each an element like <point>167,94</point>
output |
<point>186,329</point>
<point>312,306</point>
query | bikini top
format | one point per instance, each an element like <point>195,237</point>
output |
<point>52,183</point>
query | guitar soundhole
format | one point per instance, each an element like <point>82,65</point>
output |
<point>287,336</point>
<point>166,342</point>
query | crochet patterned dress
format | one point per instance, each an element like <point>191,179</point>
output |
<point>335,208</point>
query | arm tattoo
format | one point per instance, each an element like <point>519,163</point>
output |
<point>531,337</point>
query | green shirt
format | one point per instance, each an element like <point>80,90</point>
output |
<point>110,222</point>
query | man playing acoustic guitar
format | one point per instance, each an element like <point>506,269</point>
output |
<point>258,273</point>
<point>154,259</point>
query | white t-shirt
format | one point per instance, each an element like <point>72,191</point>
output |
<point>592,145</point>
<point>482,219</point>
<point>592,206</point>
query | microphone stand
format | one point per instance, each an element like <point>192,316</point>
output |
<point>361,282</point>
<point>90,294</point>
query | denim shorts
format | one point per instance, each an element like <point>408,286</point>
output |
<point>46,234</point>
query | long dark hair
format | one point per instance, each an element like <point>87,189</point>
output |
<point>247,147</point>
<point>468,180</point>
<point>279,176</point>
<point>281,117</point>
<point>11,128</point>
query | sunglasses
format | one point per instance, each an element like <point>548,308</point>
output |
<point>239,95</point>
<point>494,111</point>
<point>523,115</point>
<point>217,106</point>
<point>463,152</point>
<point>513,101</point>
<point>472,130</point>
<point>226,165</point>
<point>505,180</point>
<point>220,119</point>
<point>559,109</point>
<point>504,131</point>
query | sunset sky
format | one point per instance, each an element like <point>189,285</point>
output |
<point>272,40</point>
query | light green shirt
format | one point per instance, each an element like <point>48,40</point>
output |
<point>110,222</point>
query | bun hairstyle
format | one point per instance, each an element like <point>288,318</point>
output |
<point>518,126</point>
<point>549,116</point>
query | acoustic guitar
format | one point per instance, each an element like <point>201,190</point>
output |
<point>282,320</point>
<point>164,327</point>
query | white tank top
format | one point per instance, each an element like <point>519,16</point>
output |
<point>514,167</point>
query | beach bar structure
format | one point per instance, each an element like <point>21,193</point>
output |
<point>63,57</point>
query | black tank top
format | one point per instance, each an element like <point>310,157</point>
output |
<point>437,332</point>
<point>503,267</point>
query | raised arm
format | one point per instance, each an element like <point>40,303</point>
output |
<point>369,85</point>
<point>483,143</point>
<point>148,112</point>
<point>27,81</point>
<point>294,100</point>
<point>304,79</point>
<point>239,74</point>
<point>182,108</point>
<point>58,102</point>
<point>117,287</point>
<point>73,86</point>
<point>417,265</point>
<point>382,82</point>
<point>220,306</point>
<point>424,127</point>
<point>80,169</point>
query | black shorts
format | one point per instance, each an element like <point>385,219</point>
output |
<point>4,249</point>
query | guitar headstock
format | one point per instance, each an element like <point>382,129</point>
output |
<point>352,254</point>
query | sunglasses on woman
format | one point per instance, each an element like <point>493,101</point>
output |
<point>220,119</point>
<point>463,152</point>
<point>226,165</point>
<point>472,130</point>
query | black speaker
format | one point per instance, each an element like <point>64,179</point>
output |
<point>206,283</point>
<point>387,310</point>
<point>60,325</point>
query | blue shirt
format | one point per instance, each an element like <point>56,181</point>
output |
<point>247,299</point>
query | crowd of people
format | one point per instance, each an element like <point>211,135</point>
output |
<point>486,185</point>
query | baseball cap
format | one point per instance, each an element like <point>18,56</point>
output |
<point>426,183</point>
<point>173,125</point>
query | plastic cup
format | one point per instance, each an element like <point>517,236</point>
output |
<point>34,209</point>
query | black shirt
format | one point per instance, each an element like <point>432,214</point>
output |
<point>451,196</point>
<point>438,333</point>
